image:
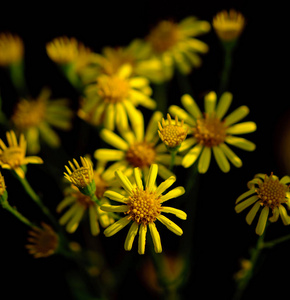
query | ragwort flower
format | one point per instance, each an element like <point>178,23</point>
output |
<point>13,157</point>
<point>35,119</point>
<point>266,193</point>
<point>11,49</point>
<point>142,206</point>
<point>210,131</point>
<point>136,148</point>
<point>3,191</point>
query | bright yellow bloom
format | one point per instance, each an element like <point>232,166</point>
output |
<point>79,203</point>
<point>35,119</point>
<point>11,49</point>
<point>228,25</point>
<point>43,241</point>
<point>13,156</point>
<point>210,131</point>
<point>112,99</point>
<point>2,185</point>
<point>136,148</point>
<point>174,44</point>
<point>142,206</point>
<point>172,135</point>
<point>266,193</point>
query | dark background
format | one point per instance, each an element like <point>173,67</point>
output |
<point>259,80</point>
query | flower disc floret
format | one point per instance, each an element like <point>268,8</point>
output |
<point>141,154</point>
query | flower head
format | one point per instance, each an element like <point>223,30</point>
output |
<point>228,25</point>
<point>11,49</point>
<point>113,98</point>
<point>3,192</point>
<point>210,131</point>
<point>172,135</point>
<point>36,117</point>
<point>136,147</point>
<point>13,157</point>
<point>43,241</point>
<point>142,207</point>
<point>266,193</point>
<point>174,44</point>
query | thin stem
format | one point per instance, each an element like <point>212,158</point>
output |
<point>172,161</point>
<point>273,243</point>
<point>160,95</point>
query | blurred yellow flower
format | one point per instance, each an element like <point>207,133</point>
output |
<point>137,147</point>
<point>143,206</point>
<point>174,44</point>
<point>13,157</point>
<point>11,49</point>
<point>266,193</point>
<point>43,242</point>
<point>35,119</point>
<point>228,25</point>
<point>112,99</point>
<point>210,131</point>
<point>3,192</point>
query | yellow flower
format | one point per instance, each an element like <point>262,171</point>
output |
<point>174,44</point>
<point>11,49</point>
<point>228,25</point>
<point>113,98</point>
<point>142,206</point>
<point>211,131</point>
<point>35,119</point>
<point>13,156</point>
<point>3,192</point>
<point>136,148</point>
<point>266,193</point>
<point>172,135</point>
<point>80,203</point>
<point>43,241</point>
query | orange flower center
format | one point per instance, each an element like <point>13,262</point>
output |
<point>209,131</point>
<point>141,155</point>
<point>144,206</point>
<point>172,135</point>
<point>81,176</point>
<point>83,200</point>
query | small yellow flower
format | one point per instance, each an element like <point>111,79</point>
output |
<point>142,206</point>
<point>174,44</point>
<point>228,25</point>
<point>266,193</point>
<point>136,147</point>
<point>172,135</point>
<point>13,156</point>
<point>3,192</point>
<point>11,49</point>
<point>210,131</point>
<point>35,119</point>
<point>43,241</point>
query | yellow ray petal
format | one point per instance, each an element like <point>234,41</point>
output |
<point>155,237</point>
<point>131,236</point>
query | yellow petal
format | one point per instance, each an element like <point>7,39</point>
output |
<point>284,216</point>
<point>242,128</point>
<point>176,192</point>
<point>155,237</point>
<point>113,139</point>
<point>252,213</point>
<point>245,195</point>
<point>150,182</point>
<point>117,226</point>
<point>224,104</point>
<point>114,208</point>
<point>262,221</point>
<point>179,213</point>
<point>236,115</point>
<point>221,159</point>
<point>233,158</point>
<point>109,154</point>
<point>175,110</point>
<point>246,203</point>
<point>137,177</point>
<point>204,160</point>
<point>210,102</point>
<point>240,143</point>
<point>165,185</point>
<point>191,106</point>
<point>124,181</point>
<point>142,239</point>
<point>191,156</point>
<point>170,225</point>
<point>131,236</point>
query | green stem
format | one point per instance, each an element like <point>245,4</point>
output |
<point>16,72</point>
<point>273,243</point>
<point>172,161</point>
<point>160,95</point>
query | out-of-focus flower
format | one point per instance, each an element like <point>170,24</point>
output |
<point>113,99</point>
<point>266,193</point>
<point>142,207</point>
<point>13,156</point>
<point>43,242</point>
<point>136,148</point>
<point>35,119</point>
<point>174,44</point>
<point>172,134</point>
<point>228,25</point>
<point>11,49</point>
<point>210,131</point>
<point>245,267</point>
<point>3,192</point>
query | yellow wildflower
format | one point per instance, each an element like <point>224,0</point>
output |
<point>142,206</point>
<point>11,49</point>
<point>13,157</point>
<point>266,193</point>
<point>3,192</point>
<point>210,131</point>
<point>35,119</point>
<point>43,241</point>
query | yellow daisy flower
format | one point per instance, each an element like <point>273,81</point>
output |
<point>13,156</point>
<point>266,193</point>
<point>142,207</point>
<point>114,97</point>
<point>43,242</point>
<point>136,148</point>
<point>11,49</point>
<point>210,131</point>
<point>174,44</point>
<point>79,203</point>
<point>35,119</point>
<point>228,25</point>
